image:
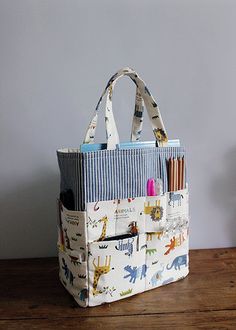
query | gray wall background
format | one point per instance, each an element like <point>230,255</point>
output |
<point>56,57</point>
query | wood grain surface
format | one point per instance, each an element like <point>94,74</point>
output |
<point>31,297</point>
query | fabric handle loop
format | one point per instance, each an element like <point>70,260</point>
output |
<point>142,93</point>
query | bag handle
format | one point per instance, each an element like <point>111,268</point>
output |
<point>137,118</point>
<point>111,130</point>
<point>137,122</point>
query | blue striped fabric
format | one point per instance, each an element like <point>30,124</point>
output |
<point>113,174</point>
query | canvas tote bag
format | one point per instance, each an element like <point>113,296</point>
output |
<point>114,238</point>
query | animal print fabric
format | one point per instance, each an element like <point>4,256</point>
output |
<point>96,264</point>
<point>95,270</point>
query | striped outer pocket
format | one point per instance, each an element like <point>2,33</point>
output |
<point>113,174</point>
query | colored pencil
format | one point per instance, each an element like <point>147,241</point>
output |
<point>180,173</point>
<point>175,174</point>
<point>169,174</point>
<point>183,173</point>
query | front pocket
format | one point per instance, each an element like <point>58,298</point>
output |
<point>73,275</point>
<point>117,269</point>
<point>166,258</point>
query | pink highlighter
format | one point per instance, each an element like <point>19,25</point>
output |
<point>151,187</point>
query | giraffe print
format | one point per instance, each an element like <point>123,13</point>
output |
<point>104,228</point>
<point>100,270</point>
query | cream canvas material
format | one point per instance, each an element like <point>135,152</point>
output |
<point>123,242</point>
<point>96,271</point>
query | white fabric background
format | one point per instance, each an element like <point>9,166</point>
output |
<point>55,59</point>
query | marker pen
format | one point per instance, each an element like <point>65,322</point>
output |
<point>151,187</point>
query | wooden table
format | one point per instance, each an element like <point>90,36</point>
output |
<point>31,297</point>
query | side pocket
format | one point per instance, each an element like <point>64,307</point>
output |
<point>166,258</point>
<point>117,269</point>
<point>178,256</point>
<point>72,231</point>
<point>168,250</point>
<point>177,212</point>
<point>73,275</point>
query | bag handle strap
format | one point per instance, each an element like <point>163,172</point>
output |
<point>111,130</point>
<point>137,122</point>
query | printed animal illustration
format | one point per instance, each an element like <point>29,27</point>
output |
<point>67,240</point>
<point>110,92</point>
<point>175,241</point>
<point>170,246</point>
<point>135,272</point>
<point>124,293</point>
<point>130,200</point>
<point>74,260</point>
<point>83,294</point>
<point>92,222</point>
<point>160,135</point>
<point>156,211</point>
<point>151,251</point>
<point>92,127</point>
<point>137,112</point>
<point>147,90</point>
<point>104,246</point>
<point>175,198</point>
<point>133,228</point>
<point>151,235</point>
<point>118,201</point>
<point>104,228</point>
<point>178,262</point>
<point>68,273</point>
<point>96,207</point>
<point>126,245</point>
<point>108,290</point>
<point>157,276</point>
<point>99,271</point>
<point>143,246</point>
<point>169,280</point>
<point>154,262</point>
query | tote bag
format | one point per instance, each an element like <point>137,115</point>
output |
<point>117,236</point>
